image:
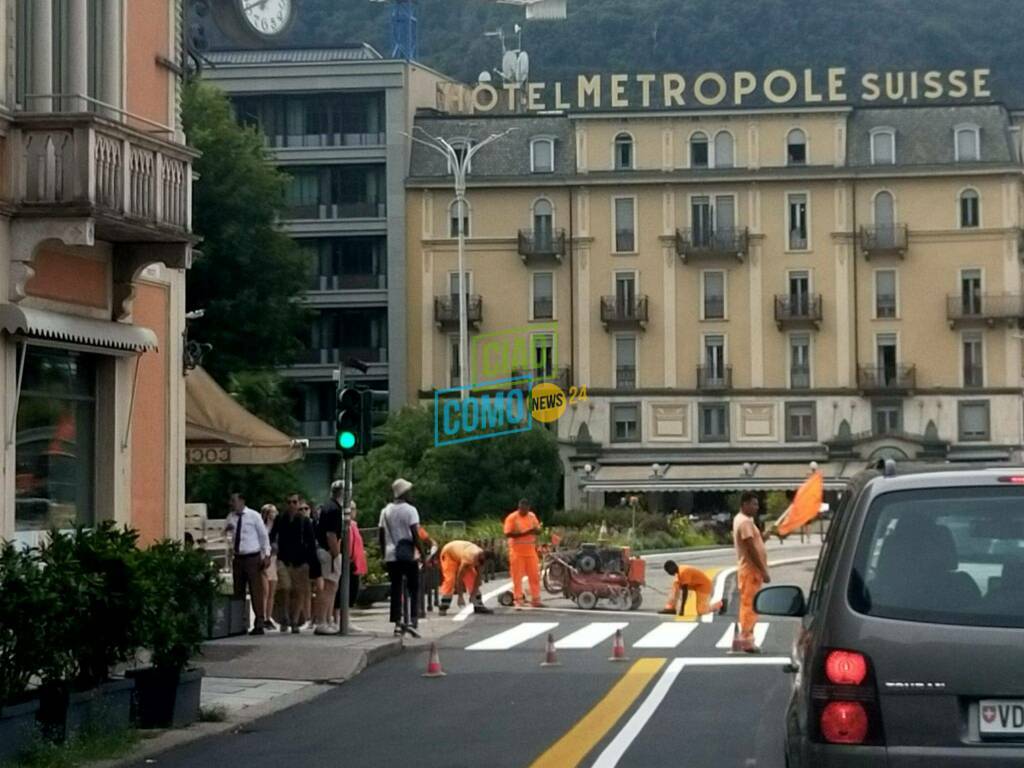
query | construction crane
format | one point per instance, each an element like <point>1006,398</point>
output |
<point>404,23</point>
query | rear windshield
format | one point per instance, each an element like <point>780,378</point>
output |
<point>946,556</point>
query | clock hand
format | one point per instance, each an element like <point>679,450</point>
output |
<point>253,4</point>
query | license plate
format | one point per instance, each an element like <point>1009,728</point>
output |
<point>1001,717</point>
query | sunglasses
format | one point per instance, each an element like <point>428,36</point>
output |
<point>303,509</point>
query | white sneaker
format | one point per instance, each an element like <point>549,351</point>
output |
<point>325,629</point>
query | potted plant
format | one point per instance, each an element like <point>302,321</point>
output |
<point>181,585</point>
<point>374,586</point>
<point>24,604</point>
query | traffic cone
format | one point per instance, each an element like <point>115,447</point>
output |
<point>618,648</point>
<point>550,656</point>
<point>434,663</point>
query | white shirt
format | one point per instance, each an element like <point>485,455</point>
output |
<point>254,539</point>
<point>400,518</point>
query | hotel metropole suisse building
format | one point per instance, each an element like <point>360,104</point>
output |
<point>743,291</point>
<point>95,235</point>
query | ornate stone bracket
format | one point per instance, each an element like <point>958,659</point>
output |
<point>28,234</point>
<point>130,259</point>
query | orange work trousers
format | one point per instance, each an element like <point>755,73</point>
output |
<point>522,563</point>
<point>703,599</point>
<point>750,582</point>
<point>449,570</point>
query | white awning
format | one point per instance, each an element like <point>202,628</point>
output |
<point>716,477</point>
<point>55,326</point>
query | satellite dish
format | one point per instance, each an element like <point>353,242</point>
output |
<point>509,63</point>
<point>485,77</point>
<point>523,67</point>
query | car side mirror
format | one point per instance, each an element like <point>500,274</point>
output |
<point>780,601</point>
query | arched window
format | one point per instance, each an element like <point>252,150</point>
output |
<point>724,150</point>
<point>796,147</point>
<point>883,146</point>
<point>454,218</point>
<point>542,155</point>
<point>623,152</point>
<point>699,150</point>
<point>968,143</point>
<point>543,223</point>
<point>970,208</point>
<point>885,219</point>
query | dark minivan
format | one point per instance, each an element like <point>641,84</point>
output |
<point>911,645</point>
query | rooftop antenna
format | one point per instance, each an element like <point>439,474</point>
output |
<point>541,10</point>
<point>515,62</point>
<point>404,36</point>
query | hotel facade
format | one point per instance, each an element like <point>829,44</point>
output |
<point>741,291</point>
<point>95,237</point>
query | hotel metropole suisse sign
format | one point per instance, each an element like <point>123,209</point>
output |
<point>832,86</point>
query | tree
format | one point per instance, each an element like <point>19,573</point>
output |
<point>251,274</point>
<point>463,481</point>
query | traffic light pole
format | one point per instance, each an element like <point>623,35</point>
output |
<point>346,520</point>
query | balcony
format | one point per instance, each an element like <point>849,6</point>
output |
<point>368,209</point>
<point>446,312</point>
<point>798,311</point>
<point>134,187</point>
<point>541,246</point>
<point>560,376</point>
<point>714,378</point>
<point>887,240</point>
<point>800,377</point>
<point>977,309</point>
<point>722,243</point>
<point>887,379</point>
<point>358,281</point>
<point>624,314</point>
<point>625,377</point>
<point>336,355</point>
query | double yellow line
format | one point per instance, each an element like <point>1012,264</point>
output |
<point>574,746</point>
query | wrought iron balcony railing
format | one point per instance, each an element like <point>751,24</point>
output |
<point>446,311</point>
<point>798,311</point>
<point>886,378</point>
<point>617,312</point>
<point>542,244</point>
<point>722,242</point>
<point>884,240</point>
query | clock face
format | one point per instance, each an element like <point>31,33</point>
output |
<point>266,17</point>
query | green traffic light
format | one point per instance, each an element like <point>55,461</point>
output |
<point>347,440</point>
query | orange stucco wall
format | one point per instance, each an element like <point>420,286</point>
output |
<point>63,276</point>
<point>148,35</point>
<point>150,421</point>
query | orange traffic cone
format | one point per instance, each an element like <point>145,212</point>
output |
<point>550,657</point>
<point>434,663</point>
<point>618,648</point>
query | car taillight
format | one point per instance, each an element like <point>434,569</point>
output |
<point>845,699</point>
<point>1015,479</point>
<point>844,722</point>
<point>846,668</point>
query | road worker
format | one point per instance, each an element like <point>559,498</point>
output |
<point>689,578</point>
<point>521,528</point>
<point>461,562</point>
<point>752,570</point>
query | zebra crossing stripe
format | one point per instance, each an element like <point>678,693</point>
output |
<point>760,632</point>
<point>590,635</point>
<point>667,635</point>
<point>510,638</point>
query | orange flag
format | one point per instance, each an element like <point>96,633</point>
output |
<point>806,504</point>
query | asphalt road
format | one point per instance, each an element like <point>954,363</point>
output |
<point>681,701</point>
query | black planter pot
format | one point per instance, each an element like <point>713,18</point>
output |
<point>63,712</point>
<point>165,698</point>
<point>18,729</point>
<point>373,593</point>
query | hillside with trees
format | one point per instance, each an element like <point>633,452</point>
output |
<point>698,35</point>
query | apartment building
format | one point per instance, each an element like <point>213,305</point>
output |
<point>742,291</point>
<point>95,235</point>
<point>337,122</point>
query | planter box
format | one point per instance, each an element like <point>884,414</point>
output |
<point>110,708</point>
<point>166,699</point>
<point>373,593</point>
<point>18,729</point>
<point>229,616</point>
<point>62,713</point>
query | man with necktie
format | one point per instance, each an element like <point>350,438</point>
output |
<point>250,547</point>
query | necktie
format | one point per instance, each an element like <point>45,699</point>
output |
<point>238,532</point>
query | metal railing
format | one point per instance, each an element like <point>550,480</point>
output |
<point>624,312</point>
<point>886,378</point>
<point>714,307</point>
<point>976,306</point>
<point>368,209</point>
<point>714,377</point>
<point>542,243</point>
<point>883,239</point>
<point>335,355</point>
<point>446,310</point>
<point>349,282</point>
<point>712,242</point>
<point>798,309</point>
<point>800,377</point>
<point>625,377</point>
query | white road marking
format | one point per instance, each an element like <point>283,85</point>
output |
<point>760,632</point>
<point>510,638</point>
<point>590,635</point>
<point>611,755</point>
<point>466,612</point>
<point>667,635</point>
<point>724,574</point>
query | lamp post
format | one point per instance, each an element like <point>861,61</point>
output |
<point>459,163</point>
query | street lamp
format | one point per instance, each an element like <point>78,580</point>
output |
<point>459,164</point>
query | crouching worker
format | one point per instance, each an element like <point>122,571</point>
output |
<point>461,562</point>
<point>689,578</point>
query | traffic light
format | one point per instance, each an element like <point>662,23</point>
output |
<point>349,423</point>
<point>374,414</point>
